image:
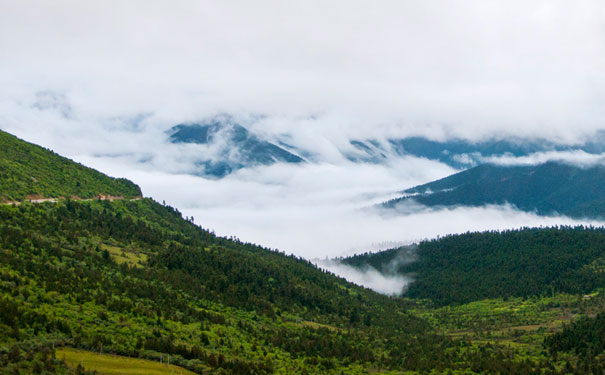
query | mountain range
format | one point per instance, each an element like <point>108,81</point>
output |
<point>99,278</point>
<point>462,153</point>
<point>548,189</point>
<point>237,147</point>
<point>227,146</point>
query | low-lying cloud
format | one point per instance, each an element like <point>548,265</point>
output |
<point>578,158</point>
<point>393,285</point>
<point>320,211</point>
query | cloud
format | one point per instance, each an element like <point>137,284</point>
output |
<point>578,158</point>
<point>318,210</point>
<point>393,285</point>
<point>439,68</point>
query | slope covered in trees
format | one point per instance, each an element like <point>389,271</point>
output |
<point>30,170</point>
<point>135,279</point>
<point>548,188</point>
<point>198,297</point>
<point>515,263</point>
<point>583,337</point>
<point>132,277</point>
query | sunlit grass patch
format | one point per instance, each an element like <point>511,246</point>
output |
<point>121,255</point>
<point>109,364</point>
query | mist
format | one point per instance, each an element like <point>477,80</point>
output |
<point>392,285</point>
<point>577,158</point>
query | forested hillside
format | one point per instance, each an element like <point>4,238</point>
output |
<point>83,278</point>
<point>584,337</point>
<point>549,188</point>
<point>27,170</point>
<point>135,278</point>
<point>514,263</point>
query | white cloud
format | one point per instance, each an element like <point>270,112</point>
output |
<point>393,285</point>
<point>466,68</point>
<point>319,211</point>
<point>577,158</point>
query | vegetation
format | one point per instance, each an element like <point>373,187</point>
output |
<point>30,171</point>
<point>584,337</point>
<point>514,263</point>
<point>109,364</point>
<point>85,281</point>
<point>211,303</point>
<point>528,325</point>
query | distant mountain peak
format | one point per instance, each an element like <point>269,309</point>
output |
<point>547,188</point>
<point>237,146</point>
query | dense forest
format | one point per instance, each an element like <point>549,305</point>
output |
<point>514,263</point>
<point>585,337</point>
<point>73,273</point>
<point>132,277</point>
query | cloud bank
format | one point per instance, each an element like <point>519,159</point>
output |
<point>439,68</point>
<point>392,285</point>
<point>578,158</point>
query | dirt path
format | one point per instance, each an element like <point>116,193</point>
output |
<point>100,197</point>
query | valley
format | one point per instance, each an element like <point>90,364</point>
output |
<point>132,278</point>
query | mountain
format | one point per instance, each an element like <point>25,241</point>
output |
<point>132,277</point>
<point>227,146</point>
<point>98,285</point>
<point>549,188</point>
<point>234,147</point>
<point>517,263</point>
<point>27,170</point>
<point>462,153</point>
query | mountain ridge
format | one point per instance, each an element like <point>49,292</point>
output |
<point>548,189</point>
<point>248,148</point>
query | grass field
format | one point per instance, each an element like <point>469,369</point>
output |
<point>121,255</point>
<point>108,364</point>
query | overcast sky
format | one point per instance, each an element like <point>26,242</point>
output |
<point>474,67</point>
<point>102,81</point>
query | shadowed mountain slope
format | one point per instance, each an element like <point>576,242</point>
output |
<point>550,188</point>
<point>235,147</point>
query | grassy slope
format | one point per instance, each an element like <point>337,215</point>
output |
<point>109,364</point>
<point>30,170</point>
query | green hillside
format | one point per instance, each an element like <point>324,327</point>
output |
<point>28,170</point>
<point>208,302</point>
<point>515,263</point>
<point>85,283</point>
